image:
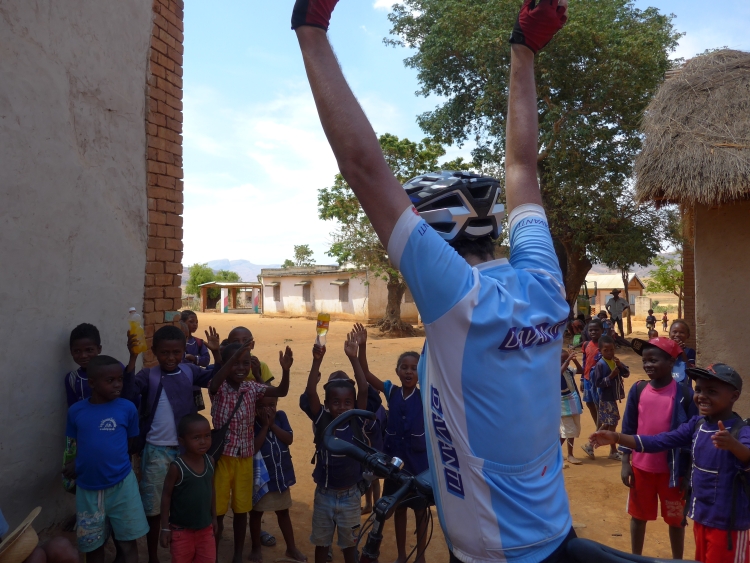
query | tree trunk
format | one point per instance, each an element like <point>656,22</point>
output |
<point>391,323</point>
<point>575,266</point>
<point>624,274</point>
<point>679,304</point>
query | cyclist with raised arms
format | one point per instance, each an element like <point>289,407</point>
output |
<point>490,371</point>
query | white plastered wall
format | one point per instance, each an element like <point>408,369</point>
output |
<point>73,217</point>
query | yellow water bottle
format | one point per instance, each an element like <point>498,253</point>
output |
<point>135,326</point>
<point>324,320</point>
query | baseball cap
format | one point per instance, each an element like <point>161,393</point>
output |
<point>663,343</point>
<point>722,372</point>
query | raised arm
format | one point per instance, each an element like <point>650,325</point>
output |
<point>285,360</point>
<point>218,380</point>
<point>350,349</point>
<point>361,333</point>
<point>311,391</point>
<point>348,130</point>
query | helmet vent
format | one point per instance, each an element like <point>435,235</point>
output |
<point>443,227</point>
<point>444,203</point>
<point>480,192</point>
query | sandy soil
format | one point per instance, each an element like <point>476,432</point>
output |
<point>597,495</point>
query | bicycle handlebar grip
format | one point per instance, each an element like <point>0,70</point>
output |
<point>340,447</point>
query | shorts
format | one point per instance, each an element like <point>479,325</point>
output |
<point>609,414</point>
<point>416,503</point>
<point>193,546</point>
<point>650,326</point>
<point>711,545</point>
<point>590,393</point>
<point>336,509</point>
<point>570,426</point>
<point>649,489</point>
<point>155,462</point>
<point>233,478</point>
<point>274,501</point>
<point>117,509</point>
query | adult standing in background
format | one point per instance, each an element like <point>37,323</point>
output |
<point>615,308</point>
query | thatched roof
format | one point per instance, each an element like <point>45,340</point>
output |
<point>697,133</point>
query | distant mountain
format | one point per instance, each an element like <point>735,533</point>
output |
<point>247,270</point>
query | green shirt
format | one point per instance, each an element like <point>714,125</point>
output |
<point>192,496</point>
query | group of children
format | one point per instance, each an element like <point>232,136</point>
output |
<point>682,449</point>
<point>190,475</point>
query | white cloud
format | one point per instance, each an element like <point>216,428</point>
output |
<point>384,4</point>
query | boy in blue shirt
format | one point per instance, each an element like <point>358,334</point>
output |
<point>107,491</point>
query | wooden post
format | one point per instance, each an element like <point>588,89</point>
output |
<point>204,299</point>
<point>233,298</point>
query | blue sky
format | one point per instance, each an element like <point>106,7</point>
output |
<point>254,152</point>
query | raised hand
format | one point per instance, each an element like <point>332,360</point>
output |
<point>538,22</point>
<point>286,359</point>
<point>319,352</point>
<point>361,333</point>
<point>132,343</point>
<point>316,13</point>
<point>723,440</point>
<point>213,340</point>
<point>351,345</point>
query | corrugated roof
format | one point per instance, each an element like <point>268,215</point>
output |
<point>611,281</point>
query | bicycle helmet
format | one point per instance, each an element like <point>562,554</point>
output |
<point>458,205</point>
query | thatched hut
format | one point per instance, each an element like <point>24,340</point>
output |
<point>696,153</point>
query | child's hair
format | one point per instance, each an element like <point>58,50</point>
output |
<point>410,354</point>
<point>97,363</point>
<point>187,420</point>
<point>240,328</point>
<point>85,330</point>
<point>229,351</point>
<point>602,312</point>
<point>653,331</point>
<point>682,322</point>
<point>605,340</point>
<point>184,328</point>
<point>596,322</point>
<point>581,317</point>
<point>650,311</point>
<point>168,333</point>
<point>186,314</point>
<point>339,383</point>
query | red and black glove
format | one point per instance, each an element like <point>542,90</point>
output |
<point>316,13</point>
<point>537,23</point>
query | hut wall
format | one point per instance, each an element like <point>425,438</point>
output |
<point>722,268</point>
<point>688,269</point>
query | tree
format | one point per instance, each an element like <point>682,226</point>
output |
<point>288,264</point>
<point>355,240</point>
<point>594,81</point>
<point>667,277</point>
<point>201,273</point>
<point>303,257</point>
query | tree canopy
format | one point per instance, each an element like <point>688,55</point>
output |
<point>594,81</point>
<point>201,273</point>
<point>303,257</point>
<point>667,277</point>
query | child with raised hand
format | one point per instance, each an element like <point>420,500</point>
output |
<point>196,351</point>
<point>273,436</point>
<point>107,496</point>
<point>233,400</point>
<point>571,408</point>
<point>655,406</point>
<point>590,392</point>
<point>241,335</point>
<point>720,443</point>
<point>679,331</point>
<point>165,393</point>
<point>188,507</point>
<point>338,479</point>
<point>405,439</point>
<point>608,374</point>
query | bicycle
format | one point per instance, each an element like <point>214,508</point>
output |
<point>383,466</point>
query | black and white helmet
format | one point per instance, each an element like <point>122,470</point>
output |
<point>458,204</point>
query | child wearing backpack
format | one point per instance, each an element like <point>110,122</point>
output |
<point>655,406</point>
<point>719,504</point>
<point>196,351</point>
<point>607,377</point>
<point>590,392</point>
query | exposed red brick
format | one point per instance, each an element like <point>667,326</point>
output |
<point>153,292</point>
<point>158,218</point>
<point>165,256</point>
<point>163,279</point>
<point>165,231</point>
<point>148,306</point>
<point>173,268</point>
<point>163,304</point>
<point>155,267</point>
<point>174,244</point>
<point>172,292</point>
<point>174,220</point>
<point>157,242</point>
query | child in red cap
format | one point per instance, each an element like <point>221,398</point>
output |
<point>658,405</point>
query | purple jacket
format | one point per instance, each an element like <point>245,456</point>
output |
<point>179,388</point>
<point>197,348</point>
<point>713,472</point>
<point>610,389</point>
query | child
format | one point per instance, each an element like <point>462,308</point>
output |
<point>664,321</point>
<point>650,320</point>
<point>166,395</point>
<point>720,442</point>
<point>229,389</point>
<point>590,392</point>
<point>607,325</point>
<point>241,335</point>
<point>188,507</point>
<point>195,350</point>
<point>85,343</point>
<point>338,478</point>
<point>405,439</point>
<point>608,374</point>
<point>653,333</point>
<point>680,332</point>
<point>273,436</point>
<point>570,420</point>
<point>107,490</point>
<point>654,407</point>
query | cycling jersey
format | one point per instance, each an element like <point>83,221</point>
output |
<point>489,378</point>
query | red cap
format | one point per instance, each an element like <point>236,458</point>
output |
<point>663,343</point>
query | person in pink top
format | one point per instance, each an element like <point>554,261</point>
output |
<point>655,406</point>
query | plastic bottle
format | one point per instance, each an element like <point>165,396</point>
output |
<point>324,319</point>
<point>135,326</point>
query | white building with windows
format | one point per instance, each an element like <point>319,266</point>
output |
<point>345,294</point>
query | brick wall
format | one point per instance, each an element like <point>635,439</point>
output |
<point>162,291</point>
<point>688,270</point>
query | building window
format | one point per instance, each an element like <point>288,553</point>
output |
<point>408,297</point>
<point>632,298</point>
<point>277,293</point>
<point>344,293</point>
<point>306,293</point>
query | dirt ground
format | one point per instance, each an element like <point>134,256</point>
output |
<point>597,496</point>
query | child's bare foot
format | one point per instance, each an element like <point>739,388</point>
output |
<point>367,509</point>
<point>256,555</point>
<point>296,554</point>
<point>574,460</point>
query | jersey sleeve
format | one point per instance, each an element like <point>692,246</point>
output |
<point>531,245</point>
<point>437,276</point>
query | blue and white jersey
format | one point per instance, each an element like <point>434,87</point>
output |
<point>490,381</point>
